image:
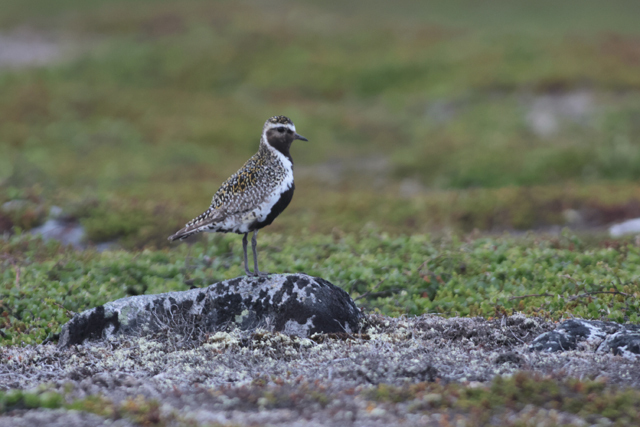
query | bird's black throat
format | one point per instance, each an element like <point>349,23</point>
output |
<point>281,142</point>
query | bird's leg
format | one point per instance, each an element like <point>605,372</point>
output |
<point>246,259</point>
<point>254,243</point>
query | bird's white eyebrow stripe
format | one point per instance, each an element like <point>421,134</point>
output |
<point>277,125</point>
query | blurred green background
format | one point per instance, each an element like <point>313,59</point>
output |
<point>422,116</point>
<point>433,126</point>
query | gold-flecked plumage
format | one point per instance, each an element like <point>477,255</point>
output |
<point>256,194</point>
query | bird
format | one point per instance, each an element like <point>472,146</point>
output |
<point>256,194</point>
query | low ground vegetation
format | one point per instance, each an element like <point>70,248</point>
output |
<point>44,283</point>
<point>155,105</point>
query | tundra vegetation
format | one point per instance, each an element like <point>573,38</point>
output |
<point>465,159</point>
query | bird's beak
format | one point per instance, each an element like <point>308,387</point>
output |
<point>300,137</point>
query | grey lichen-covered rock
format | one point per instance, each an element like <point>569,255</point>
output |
<point>624,343</point>
<point>591,335</point>
<point>295,304</point>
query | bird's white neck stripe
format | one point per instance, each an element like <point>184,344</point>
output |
<point>283,159</point>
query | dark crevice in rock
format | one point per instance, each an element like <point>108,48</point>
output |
<point>90,327</point>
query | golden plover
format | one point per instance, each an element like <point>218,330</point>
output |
<point>255,195</point>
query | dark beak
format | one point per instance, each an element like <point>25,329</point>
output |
<point>300,137</point>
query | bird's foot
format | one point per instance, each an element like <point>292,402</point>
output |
<point>258,274</point>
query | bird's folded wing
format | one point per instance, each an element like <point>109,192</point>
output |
<point>237,197</point>
<point>243,192</point>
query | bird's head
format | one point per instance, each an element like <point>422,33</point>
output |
<point>280,132</point>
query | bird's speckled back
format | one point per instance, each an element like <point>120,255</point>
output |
<point>260,176</point>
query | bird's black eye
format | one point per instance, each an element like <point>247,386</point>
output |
<point>281,129</point>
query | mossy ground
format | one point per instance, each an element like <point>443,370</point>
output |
<point>157,102</point>
<point>553,277</point>
<point>521,400</point>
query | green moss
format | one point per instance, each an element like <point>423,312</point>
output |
<point>18,399</point>
<point>12,398</point>
<point>51,400</point>
<point>477,403</point>
<point>43,284</point>
<point>95,404</point>
<point>586,399</point>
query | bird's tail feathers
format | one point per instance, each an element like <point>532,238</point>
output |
<point>184,233</point>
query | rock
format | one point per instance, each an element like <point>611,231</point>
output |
<point>56,227</point>
<point>510,357</point>
<point>624,343</point>
<point>60,418</point>
<point>546,112</point>
<point>16,205</point>
<point>572,217</point>
<point>588,333</point>
<point>56,212</point>
<point>296,304</point>
<point>67,232</point>
<point>23,48</point>
<point>631,226</point>
<point>591,335</point>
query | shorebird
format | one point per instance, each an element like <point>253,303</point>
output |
<point>255,195</point>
